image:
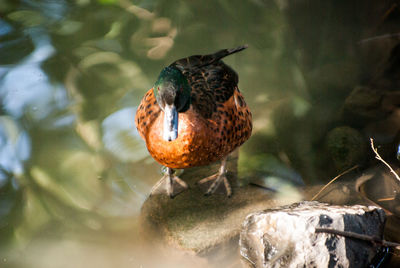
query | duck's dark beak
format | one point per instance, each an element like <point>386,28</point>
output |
<point>170,131</point>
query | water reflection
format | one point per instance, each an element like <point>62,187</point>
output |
<point>22,84</point>
<point>15,148</point>
<point>121,138</point>
<point>398,152</point>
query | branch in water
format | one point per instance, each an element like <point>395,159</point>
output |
<point>372,239</point>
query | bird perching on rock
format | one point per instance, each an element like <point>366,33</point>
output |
<point>193,116</point>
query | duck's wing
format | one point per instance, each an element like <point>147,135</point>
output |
<point>212,81</point>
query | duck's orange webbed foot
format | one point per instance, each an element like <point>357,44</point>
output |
<point>170,184</point>
<point>218,181</point>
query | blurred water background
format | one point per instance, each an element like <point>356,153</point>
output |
<point>74,171</point>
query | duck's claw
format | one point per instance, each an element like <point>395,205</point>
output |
<point>169,184</point>
<point>218,181</point>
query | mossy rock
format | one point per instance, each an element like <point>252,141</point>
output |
<point>201,224</point>
<point>346,146</point>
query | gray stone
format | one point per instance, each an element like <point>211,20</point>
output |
<point>285,237</point>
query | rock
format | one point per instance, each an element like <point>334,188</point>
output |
<point>285,237</point>
<point>363,105</point>
<point>207,226</point>
<point>346,147</point>
<point>196,223</point>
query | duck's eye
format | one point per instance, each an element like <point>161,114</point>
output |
<point>181,89</point>
<point>158,89</point>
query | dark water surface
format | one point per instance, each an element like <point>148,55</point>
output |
<point>73,169</point>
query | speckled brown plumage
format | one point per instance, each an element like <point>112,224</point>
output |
<point>217,121</point>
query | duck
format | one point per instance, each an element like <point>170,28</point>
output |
<point>194,115</point>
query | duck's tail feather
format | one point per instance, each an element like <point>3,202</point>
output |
<point>223,53</point>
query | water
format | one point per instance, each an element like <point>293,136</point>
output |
<point>73,169</point>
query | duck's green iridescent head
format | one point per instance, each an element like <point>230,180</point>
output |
<point>172,92</point>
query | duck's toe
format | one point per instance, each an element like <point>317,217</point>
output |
<point>169,184</point>
<point>176,186</point>
<point>217,183</point>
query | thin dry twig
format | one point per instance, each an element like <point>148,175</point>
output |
<point>334,179</point>
<point>377,156</point>
<point>385,199</point>
<point>384,36</point>
<point>372,239</point>
<point>389,11</point>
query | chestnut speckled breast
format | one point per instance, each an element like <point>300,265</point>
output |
<point>200,141</point>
